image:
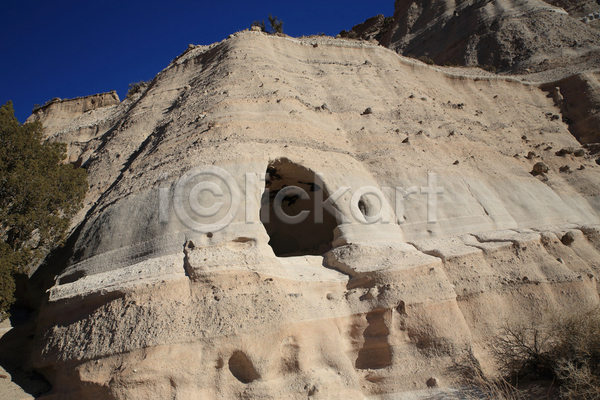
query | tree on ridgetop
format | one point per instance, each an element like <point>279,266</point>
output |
<point>261,25</point>
<point>38,197</point>
<point>275,23</point>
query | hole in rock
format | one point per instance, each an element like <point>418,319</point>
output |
<point>401,308</point>
<point>362,207</point>
<point>241,367</point>
<point>369,205</point>
<point>288,211</point>
<point>423,342</point>
<point>376,352</point>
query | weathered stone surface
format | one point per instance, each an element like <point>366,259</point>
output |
<point>418,268</point>
<point>79,122</point>
<point>578,98</point>
<point>525,36</point>
<point>540,168</point>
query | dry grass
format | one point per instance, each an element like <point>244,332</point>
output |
<point>580,382</point>
<point>493,389</point>
<point>564,346</point>
<point>534,357</point>
<point>476,386</point>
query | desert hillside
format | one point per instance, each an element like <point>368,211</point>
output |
<point>438,202</point>
<point>520,37</point>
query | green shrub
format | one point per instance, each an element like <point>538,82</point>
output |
<point>274,22</point>
<point>38,196</point>
<point>452,64</point>
<point>489,68</point>
<point>261,25</point>
<point>8,268</point>
<point>426,60</point>
<point>137,87</point>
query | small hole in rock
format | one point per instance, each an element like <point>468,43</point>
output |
<point>369,206</point>
<point>242,368</point>
<point>401,308</point>
<point>362,207</point>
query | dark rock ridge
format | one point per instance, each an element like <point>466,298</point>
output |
<point>517,35</point>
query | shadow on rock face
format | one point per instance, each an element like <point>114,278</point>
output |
<point>15,358</point>
<point>291,189</point>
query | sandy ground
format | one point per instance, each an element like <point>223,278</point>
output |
<point>16,383</point>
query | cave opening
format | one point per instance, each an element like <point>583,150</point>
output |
<point>288,211</point>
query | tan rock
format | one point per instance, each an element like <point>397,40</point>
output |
<point>184,279</point>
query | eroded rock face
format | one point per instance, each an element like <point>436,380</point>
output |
<point>59,113</point>
<point>520,36</point>
<point>418,264</point>
<point>546,40</point>
<point>578,97</point>
<point>78,122</point>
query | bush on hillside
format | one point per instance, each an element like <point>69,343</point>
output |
<point>274,22</point>
<point>564,346</point>
<point>137,87</point>
<point>426,60</point>
<point>261,25</point>
<point>39,194</point>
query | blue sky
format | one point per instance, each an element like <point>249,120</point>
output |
<point>67,48</point>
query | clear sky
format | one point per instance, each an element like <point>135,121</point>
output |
<point>68,48</point>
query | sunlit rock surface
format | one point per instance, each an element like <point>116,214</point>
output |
<point>436,230</point>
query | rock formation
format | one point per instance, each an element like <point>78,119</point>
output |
<point>518,36</point>
<point>536,38</point>
<point>77,122</point>
<point>181,280</point>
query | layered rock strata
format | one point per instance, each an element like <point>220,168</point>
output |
<point>184,280</point>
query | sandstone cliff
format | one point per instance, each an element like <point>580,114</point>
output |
<point>152,300</point>
<point>77,122</point>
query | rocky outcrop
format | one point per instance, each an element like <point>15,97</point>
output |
<point>78,122</point>
<point>578,97</point>
<point>57,113</point>
<point>193,275</point>
<point>520,36</point>
<point>577,8</point>
<point>535,38</point>
<point>373,29</point>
